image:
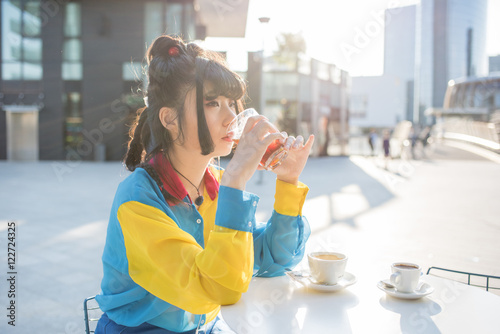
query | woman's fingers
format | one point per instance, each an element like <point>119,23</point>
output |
<point>270,137</point>
<point>308,145</point>
<point>263,128</point>
<point>299,143</point>
<point>291,168</point>
<point>310,142</point>
<point>293,143</point>
<point>288,142</point>
<point>252,121</point>
<point>259,122</point>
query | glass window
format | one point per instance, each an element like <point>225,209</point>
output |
<point>72,50</point>
<point>72,71</point>
<point>468,95</point>
<point>458,101</point>
<point>32,50</point>
<point>173,18</point>
<point>21,43</point>
<point>72,68</point>
<point>31,19</point>
<point>480,95</point>
<point>11,48</point>
<point>153,21</point>
<point>11,70</point>
<point>32,71</point>
<point>72,21</point>
<point>190,22</point>
<point>490,97</point>
<point>496,94</point>
<point>496,102</point>
<point>323,71</point>
<point>11,15</point>
<point>336,75</point>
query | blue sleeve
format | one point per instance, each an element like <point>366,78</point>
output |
<point>236,209</point>
<point>280,244</point>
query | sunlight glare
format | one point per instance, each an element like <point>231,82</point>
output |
<point>300,316</point>
<point>349,34</point>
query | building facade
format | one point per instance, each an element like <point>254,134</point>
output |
<point>494,64</point>
<point>450,44</point>
<point>426,45</point>
<point>382,101</point>
<point>303,96</point>
<point>70,70</point>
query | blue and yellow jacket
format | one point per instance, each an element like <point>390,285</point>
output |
<point>173,265</point>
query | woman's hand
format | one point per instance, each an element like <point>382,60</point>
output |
<point>258,134</point>
<point>298,153</point>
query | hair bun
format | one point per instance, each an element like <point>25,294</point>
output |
<point>165,46</point>
<point>194,50</point>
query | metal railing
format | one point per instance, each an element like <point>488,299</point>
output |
<point>485,134</point>
<point>90,311</point>
<point>487,286</point>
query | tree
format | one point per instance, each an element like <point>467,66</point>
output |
<point>291,43</point>
<point>289,47</point>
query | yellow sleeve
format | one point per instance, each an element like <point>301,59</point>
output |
<point>170,264</point>
<point>290,198</point>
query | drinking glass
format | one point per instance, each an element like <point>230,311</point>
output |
<point>275,152</point>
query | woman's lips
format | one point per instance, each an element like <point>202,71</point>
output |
<point>228,137</point>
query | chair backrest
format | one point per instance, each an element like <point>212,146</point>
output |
<point>488,282</point>
<point>92,313</point>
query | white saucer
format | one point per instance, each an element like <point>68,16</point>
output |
<point>423,290</point>
<point>306,279</point>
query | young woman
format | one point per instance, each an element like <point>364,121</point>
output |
<point>182,238</point>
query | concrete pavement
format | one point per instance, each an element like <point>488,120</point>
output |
<point>439,211</point>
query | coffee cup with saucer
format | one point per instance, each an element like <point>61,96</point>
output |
<point>405,282</point>
<point>326,272</point>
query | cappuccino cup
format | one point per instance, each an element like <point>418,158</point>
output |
<point>327,267</point>
<point>405,276</point>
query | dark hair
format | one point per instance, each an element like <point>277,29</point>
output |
<point>174,68</point>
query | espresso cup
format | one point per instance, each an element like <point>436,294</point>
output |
<point>327,267</point>
<point>405,276</point>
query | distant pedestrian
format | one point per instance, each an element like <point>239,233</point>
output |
<point>413,140</point>
<point>425,137</point>
<point>372,141</point>
<point>387,147</point>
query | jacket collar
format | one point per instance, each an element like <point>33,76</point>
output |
<point>172,183</point>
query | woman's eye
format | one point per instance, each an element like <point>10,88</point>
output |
<point>213,104</point>
<point>232,104</point>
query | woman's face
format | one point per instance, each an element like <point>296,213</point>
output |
<point>219,112</point>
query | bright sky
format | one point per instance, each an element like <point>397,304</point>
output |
<point>327,24</point>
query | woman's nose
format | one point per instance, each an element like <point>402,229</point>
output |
<point>230,115</point>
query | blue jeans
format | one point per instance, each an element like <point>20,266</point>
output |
<point>108,326</point>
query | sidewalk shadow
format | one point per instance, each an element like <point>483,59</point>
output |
<point>326,178</point>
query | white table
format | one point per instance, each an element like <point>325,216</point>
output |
<point>280,306</point>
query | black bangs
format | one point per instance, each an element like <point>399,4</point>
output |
<point>224,82</point>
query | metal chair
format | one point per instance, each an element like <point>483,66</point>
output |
<point>478,280</point>
<point>92,313</point>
